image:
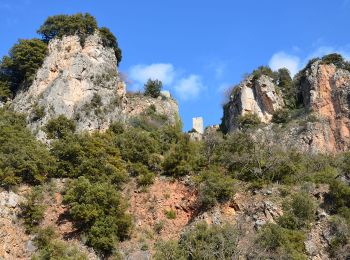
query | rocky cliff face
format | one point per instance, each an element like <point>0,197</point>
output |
<point>254,96</point>
<point>324,126</point>
<point>82,83</point>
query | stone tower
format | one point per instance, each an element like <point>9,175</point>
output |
<point>197,123</point>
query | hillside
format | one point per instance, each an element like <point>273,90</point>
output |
<point>89,170</point>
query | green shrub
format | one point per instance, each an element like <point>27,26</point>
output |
<point>153,88</point>
<point>288,244</point>
<point>264,70</point>
<point>170,214</point>
<point>49,247</point>
<point>214,187</point>
<point>92,156</point>
<point>59,127</point>
<point>32,211</point>
<point>248,121</point>
<point>303,207</point>
<point>144,176</point>
<point>38,112</point>
<point>17,71</point>
<point>337,60</point>
<point>169,250</point>
<point>98,209</point>
<point>281,116</point>
<point>22,157</point>
<point>181,159</point>
<point>210,242</point>
<point>110,41</point>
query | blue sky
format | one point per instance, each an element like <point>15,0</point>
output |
<point>198,47</point>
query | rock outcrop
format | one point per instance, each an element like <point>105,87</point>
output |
<point>254,96</point>
<point>324,124</point>
<point>82,83</point>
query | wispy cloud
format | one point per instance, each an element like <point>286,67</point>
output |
<point>283,60</point>
<point>189,87</point>
<point>186,87</point>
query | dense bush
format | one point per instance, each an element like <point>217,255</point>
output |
<point>264,70</point>
<point>210,242</point>
<point>281,116</point>
<point>22,157</point>
<point>17,71</point>
<point>288,89</point>
<point>169,250</point>
<point>214,187</point>
<point>79,24</point>
<point>181,159</point>
<point>33,209</point>
<point>59,127</point>
<point>153,88</point>
<point>49,247</point>
<point>98,210</point>
<point>91,156</point>
<point>337,60</point>
<point>288,244</point>
<point>248,120</point>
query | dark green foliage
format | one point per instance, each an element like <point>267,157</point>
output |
<point>17,71</point>
<point>210,242</point>
<point>340,229</point>
<point>248,121</point>
<point>153,88</point>
<point>144,176</point>
<point>337,60</point>
<point>281,116</point>
<point>299,213</point>
<point>214,187</point>
<point>98,210</point>
<point>169,250</point>
<point>38,112</point>
<point>264,70</point>
<point>92,156</point>
<point>59,127</point>
<point>117,128</point>
<point>288,89</point>
<point>110,41</point>
<point>170,214</point>
<point>49,247</point>
<point>22,157</point>
<point>5,92</point>
<point>32,211</point>
<point>79,24</point>
<point>288,244</point>
<point>181,159</point>
<point>339,195</point>
<point>65,25</point>
<point>136,146</point>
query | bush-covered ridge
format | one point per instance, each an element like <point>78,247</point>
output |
<point>19,67</point>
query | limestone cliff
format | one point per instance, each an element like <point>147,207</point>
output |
<point>82,83</point>
<point>254,96</point>
<point>321,125</point>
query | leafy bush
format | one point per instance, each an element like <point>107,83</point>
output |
<point>214,187</point>
<point>32,211</point>
<point>91,156</point>
<point>170,214</point>
<point>59,127</point>
<point>17,71</point>
<point>22,157</point>
<point>337,60</point>
<point>99,211</point>
<point>248,121</point>
<point>281,116</point>
<point>144,176</point>
<point>169,250</point>
<point>286,243</point>
<point>153,88</point>
<point>181,159</point>
<point>49,247</point>
<point>110,41</point>
<point>264,70</point>
<point>210,242</point>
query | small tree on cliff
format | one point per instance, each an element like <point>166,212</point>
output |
<point>153,88</point>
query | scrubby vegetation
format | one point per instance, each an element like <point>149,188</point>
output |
<point>153,88</point>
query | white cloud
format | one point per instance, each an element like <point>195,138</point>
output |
<point>284,60</point>
<point>189,87</point>
<point>164,72</point>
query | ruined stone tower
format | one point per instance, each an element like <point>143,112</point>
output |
<point>197,123</point>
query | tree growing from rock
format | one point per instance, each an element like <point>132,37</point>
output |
<point>153,88</point>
